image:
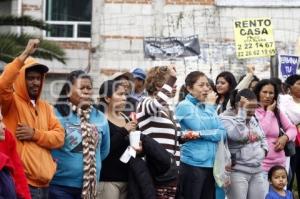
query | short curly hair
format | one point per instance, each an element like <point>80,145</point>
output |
<point>156,77</point>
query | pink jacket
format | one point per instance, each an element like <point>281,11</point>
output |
<point>269,124</point>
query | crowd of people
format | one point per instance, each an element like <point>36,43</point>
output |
<point>84,148</point>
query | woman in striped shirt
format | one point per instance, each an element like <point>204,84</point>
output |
<point>156,119</point>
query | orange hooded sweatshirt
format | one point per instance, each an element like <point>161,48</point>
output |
<point>17,108</point>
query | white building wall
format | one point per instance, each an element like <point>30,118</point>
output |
<point>125,24</point>
<point>213,25</point>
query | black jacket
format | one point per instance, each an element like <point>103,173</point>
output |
<point>141,172</point>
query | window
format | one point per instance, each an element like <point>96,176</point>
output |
<point>69,18</point>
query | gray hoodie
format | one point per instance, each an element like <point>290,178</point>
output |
<point>247,142</point>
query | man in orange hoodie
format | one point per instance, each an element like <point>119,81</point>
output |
<point>30,119</point>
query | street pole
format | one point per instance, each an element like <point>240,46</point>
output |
<point>274,66</point>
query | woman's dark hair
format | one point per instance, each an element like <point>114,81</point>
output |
<point>254,79</point>
<point>229,77</point>
<point>62,103</point>
<point>107,89</point>
<point>212,84</point>
<point>192,78</point>
<point>278,82</point>
<point>263,83</point>
<point>275,168</point>
<point>182,93</point>
<point>236,95</point>
<point>291,80</point>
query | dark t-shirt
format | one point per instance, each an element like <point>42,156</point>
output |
<point>113,170</point>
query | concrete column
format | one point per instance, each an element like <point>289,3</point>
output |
<point>96,39</point>
<point>158,17</point>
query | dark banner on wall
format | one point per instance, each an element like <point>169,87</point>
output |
<point>171,47</point>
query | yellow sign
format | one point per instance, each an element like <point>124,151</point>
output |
<point>254,38</point>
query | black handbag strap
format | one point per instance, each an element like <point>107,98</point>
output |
<point>279,123</point>
<point>278,119</point>
<point>289,148</point>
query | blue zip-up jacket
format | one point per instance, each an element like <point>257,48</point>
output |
<point>69,158</point>
<point>196,116</point>
<point>274,195</point>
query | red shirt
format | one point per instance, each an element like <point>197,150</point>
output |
<point>5,162</point>
<point>8,148</point>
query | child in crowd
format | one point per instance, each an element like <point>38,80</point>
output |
<point>13,183</point>
<point>278,180</point>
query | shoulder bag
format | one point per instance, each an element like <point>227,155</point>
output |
<point>289,148</point>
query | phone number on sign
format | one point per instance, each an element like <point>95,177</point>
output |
<point>255,45</point>
<point>256,53</point>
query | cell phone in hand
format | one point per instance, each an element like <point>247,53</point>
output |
<point>133,117</point>
<point>233,160</point>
